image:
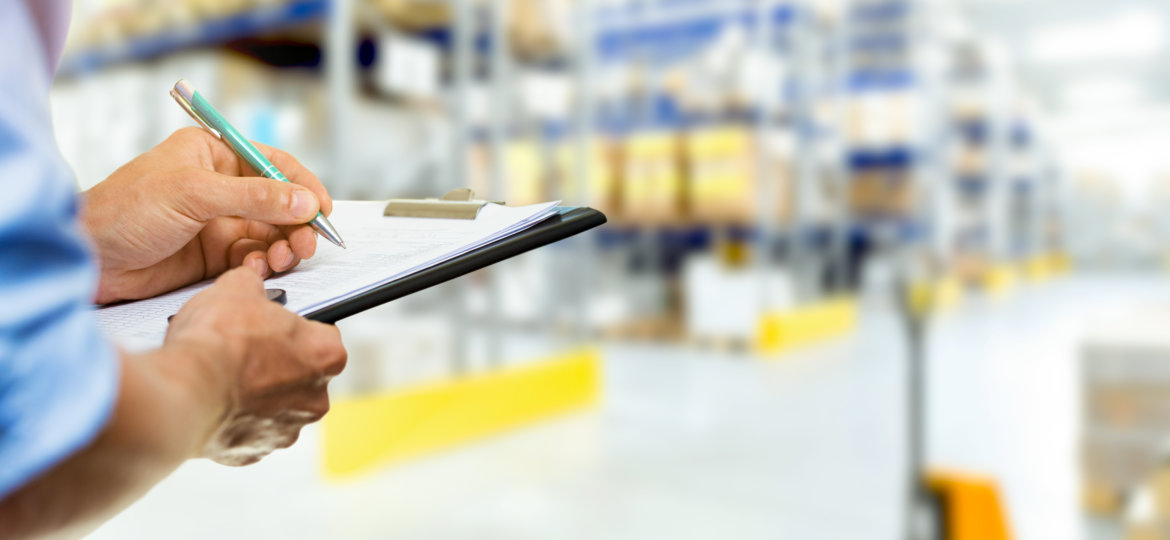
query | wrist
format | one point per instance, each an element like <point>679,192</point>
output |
<point>196,373</point>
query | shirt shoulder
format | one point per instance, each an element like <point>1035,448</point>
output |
<point>58,374</point>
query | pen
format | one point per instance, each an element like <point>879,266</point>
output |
<point>202,111</point>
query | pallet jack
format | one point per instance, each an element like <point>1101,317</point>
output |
<point>941,504</point>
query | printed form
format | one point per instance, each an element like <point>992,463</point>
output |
<point>381,249</point>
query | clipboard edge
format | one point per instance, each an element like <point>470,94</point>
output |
<point>573,219</point>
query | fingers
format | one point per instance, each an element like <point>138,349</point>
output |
<point>283,363</point>
<point>282,257</point>
<point>329,355</point>
<point>222,159</point>
<point>240,282</point>
<point>205,195</point>
<point>288,245</point>
<point>298,174</point>
<point>256,261</point>
<point>294,408</point>
<point>229,242</point>
<point>303,240</point>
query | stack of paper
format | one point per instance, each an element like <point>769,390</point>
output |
<point>381,250</point>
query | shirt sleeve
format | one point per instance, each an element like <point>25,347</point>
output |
<point>58,374</point>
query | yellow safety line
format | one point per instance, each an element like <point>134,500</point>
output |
<point>943,294</point>
<point>1000,279</point>
<point>1043,267</point>
<point>361,432</point>
<point>781,331</point>
<point>1060,263</point>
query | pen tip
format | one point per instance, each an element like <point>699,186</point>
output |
<point>342,244</point>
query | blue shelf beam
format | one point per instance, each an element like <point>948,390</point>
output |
<point>895,157</point>
<point>670,40</point>
<point>214,32</point>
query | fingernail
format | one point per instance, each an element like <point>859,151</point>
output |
<point>260,266</point>
<point>289,260</point>
<point>302,204</point>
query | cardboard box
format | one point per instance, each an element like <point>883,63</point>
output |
<point>653,190</point>
<point>1148,514</point>
<point>722,174</point>
<point>537,28</point>
<point>1125,370</point>
<point>415,14</point>
<point>1128,406</point>
<point>880,194</point>
<point>1159,486</point>
<point>526,173</point>
<point>1101,499</point>
<point>970,160</point>
<point>601,162</point>
<point>1147,531</point>
<point>724,180</point>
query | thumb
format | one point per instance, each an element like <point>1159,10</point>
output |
<point>240,281</point>
<point>210,195</point>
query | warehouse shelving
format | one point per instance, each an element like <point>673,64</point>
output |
<point>819,242</point>
<point>337,28</point>
<point>217,31</point>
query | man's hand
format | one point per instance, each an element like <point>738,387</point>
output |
<point>272,366</point>
<point>185,211</point>
<point>237,377</point>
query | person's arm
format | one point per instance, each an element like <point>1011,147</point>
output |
<point>238,377</point>
<point>157,424</point>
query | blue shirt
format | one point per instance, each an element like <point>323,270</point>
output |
<point>58,375</point>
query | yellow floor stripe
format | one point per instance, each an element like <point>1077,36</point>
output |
<point>781,331</point>
<point>1039,268</point>
<point>1001,279</point>
<point>361,432</point>
<point>941,295</point>
<point>1061,263</point>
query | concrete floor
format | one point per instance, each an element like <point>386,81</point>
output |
<point>691,444</point>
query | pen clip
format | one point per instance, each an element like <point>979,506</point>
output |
<point>186,105</point>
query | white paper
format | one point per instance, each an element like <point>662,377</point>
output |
<point>381,249</point>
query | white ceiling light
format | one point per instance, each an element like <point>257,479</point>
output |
<point>1132,33</point>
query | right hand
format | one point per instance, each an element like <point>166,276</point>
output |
<point>190,209</point>
<point>268,367</point>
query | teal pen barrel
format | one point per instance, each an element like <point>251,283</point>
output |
<point>210,117</point>
<point>236,140</point>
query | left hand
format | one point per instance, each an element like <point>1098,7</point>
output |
<point>189,209</point>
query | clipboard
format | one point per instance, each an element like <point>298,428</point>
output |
<point>567,221</point>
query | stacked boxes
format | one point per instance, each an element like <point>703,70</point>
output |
<point>722,174</point>
<point>525,172</point>
<point>881,193</point>
<point>707,176</point>
<point>1148,513</point>
<point>653,190</point>
<point>414,14</point>
<point>115,21</point>
<point>1126,417</point>
<point>527,176</point>
<point>602,159</point>
<point>880,128</point>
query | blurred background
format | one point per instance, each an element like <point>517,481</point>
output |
<point>871,266</point>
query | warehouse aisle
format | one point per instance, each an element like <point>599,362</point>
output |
<point>699,445</point>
